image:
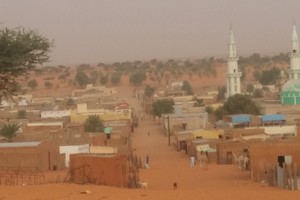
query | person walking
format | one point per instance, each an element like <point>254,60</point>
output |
<point>192,161</point>
<point>203,161</point>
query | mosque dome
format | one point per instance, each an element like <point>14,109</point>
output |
<point>290,92</point>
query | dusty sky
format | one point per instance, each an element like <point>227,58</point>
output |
<point>93,31</point>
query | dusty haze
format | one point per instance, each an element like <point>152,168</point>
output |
<point>118,30</point>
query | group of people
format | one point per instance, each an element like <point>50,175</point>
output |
<point>202,159</point>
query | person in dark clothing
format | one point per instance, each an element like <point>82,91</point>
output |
<point>175,185</point>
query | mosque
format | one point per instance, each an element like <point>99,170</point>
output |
<point>290,92</point>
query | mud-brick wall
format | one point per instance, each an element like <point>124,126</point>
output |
<point>227,151</point>
<point>52,159</point>
<point>39,160</point>
<point>102,140</point>
<point>44,157</point>
<point>99,169</point>
<point>239,132</point>
<point>264,156</point>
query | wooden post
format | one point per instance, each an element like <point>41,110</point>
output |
<point>169,132</point>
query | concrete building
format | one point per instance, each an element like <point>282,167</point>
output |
<point>233,75</point>
<point>94,90</point>
<point>176,85</point>
<point>82,113</point>
<point>55,114</point>
<point>73,149</point>
<point>184,121</point>
<point>238,120</point>
<point>229,150</point>
<point>182,138</point>
<point>273,119</point>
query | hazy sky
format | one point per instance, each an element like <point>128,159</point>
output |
<point>93,31</point>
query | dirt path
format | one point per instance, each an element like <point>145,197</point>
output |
<point>168,166</point>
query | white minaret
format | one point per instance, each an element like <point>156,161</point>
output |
<point>233,75</point>
<point>294,71</point>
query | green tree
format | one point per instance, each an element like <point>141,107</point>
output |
<point>209,109</point>
<point>187,87</point>
<point>21,51</point>
<point>221,93</point>
<point>163,106</point>
<point>257,75</point>
<point>22,114</point>
<point>93,124</point>
<point>116,78</point>
<point>81,78</point>
<point>137,78</point>
<point>94,76</point>
<point>48,84</point>
<point>198,102</point>
<point>257,93</point>
<point>83,67</point>
<point>32,84</point>
<point>104,79</point>
<point>238,104</point>
<point>10,131</point>
<point>70,102</point>
<point>220,112</point>
<point>149,91</point>
<point>269,77</point>
<point>249,88</point>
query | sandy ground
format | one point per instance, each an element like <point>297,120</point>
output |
<point>166,167</point>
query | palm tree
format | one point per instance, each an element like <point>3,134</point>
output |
<point>198,102</point>
<point>93,124</point>
<point>209,109</point>
<point>10,131</point>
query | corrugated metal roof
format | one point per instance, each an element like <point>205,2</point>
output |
<point>19,144</point>
<point>242,118</point>
<point>275,117</point>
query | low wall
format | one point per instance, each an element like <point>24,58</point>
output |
<point>99,169</point>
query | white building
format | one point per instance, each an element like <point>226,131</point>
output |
<point>6,104</point>
<point>176,85</point>
<point>22,102</point>
<point>233,75</point>
<point>294,71</point>
<point>73,149</point>
<point>55,114</point>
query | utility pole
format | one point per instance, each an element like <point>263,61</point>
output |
<point>169,132</point>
